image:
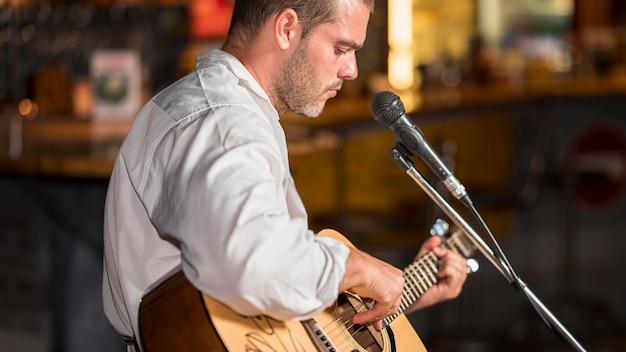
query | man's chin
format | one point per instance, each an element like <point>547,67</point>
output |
<point>312,111</point>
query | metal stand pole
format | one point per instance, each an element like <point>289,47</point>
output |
<point>551,321</point>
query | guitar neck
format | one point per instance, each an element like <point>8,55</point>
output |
<point>421,275</point>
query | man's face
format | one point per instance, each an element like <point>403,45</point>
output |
<point>321,62</point>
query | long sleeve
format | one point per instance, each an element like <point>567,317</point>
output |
<point>202,180</point>
<point>229,200</point>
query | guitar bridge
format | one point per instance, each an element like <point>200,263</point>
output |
<point>318,336</point>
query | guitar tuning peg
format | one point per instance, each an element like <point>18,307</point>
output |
<point>439,228</point>
<point>472,266</point>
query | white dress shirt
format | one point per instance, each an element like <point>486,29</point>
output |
<point>202,180</point>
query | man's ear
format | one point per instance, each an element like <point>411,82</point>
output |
<point>287,28</point>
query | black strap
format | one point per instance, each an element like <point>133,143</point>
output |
<point>131,341</point>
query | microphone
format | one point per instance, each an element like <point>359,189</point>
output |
<point>388,110</point>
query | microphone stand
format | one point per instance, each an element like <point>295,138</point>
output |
<point>549,319</point>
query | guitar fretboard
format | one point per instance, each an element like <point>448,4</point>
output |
<point>421,275</point>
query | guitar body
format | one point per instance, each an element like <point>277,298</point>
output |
<point>175,316</point>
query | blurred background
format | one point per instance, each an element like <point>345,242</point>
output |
<point>524,100</point>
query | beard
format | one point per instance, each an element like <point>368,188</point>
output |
<point>298,86</point>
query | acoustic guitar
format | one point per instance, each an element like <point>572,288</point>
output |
<point>175,316</point>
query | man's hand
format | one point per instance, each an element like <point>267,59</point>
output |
<point>372,278</point>
<point>452,274</point>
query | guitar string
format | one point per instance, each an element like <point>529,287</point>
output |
<point>335,325</point>
<point>348,324</point>
<point>335,332</point>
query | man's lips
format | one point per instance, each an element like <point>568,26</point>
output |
<point>334,91</point>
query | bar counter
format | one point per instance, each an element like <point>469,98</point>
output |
<point>62,146</point>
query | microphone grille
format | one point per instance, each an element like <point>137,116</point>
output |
<point>386,107</point>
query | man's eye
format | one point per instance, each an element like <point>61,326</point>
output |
<point>341,51</point>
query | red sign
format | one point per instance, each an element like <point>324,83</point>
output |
<point>597,163</point>
<point>209,19</point>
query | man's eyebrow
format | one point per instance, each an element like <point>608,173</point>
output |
<point>349,44</point>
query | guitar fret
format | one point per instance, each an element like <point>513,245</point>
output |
<point>424,277</point>
<point>422,287</point>
<point>404,304</point>
<point>414,275</point>
<point>417,289</point>
<point>434,269</point>
<point>408,291</point>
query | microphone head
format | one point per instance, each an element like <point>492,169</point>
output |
<point>386,107</point>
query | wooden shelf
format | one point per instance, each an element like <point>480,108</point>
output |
<point>66,147</point>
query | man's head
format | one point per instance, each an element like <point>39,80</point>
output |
<point>300,51</point>
<point>250,15</point>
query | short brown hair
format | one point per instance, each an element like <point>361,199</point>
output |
<point>250,15</point>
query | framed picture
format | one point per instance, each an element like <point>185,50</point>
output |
<point>116,84</point>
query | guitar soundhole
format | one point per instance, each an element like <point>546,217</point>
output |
<point>366,336</point>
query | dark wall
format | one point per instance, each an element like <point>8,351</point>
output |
<point>51,265</point>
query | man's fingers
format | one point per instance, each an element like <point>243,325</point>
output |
<point>376,314</point>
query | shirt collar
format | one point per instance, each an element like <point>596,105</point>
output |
<point>236,67</point>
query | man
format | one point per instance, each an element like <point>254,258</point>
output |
<point>203,178</point>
